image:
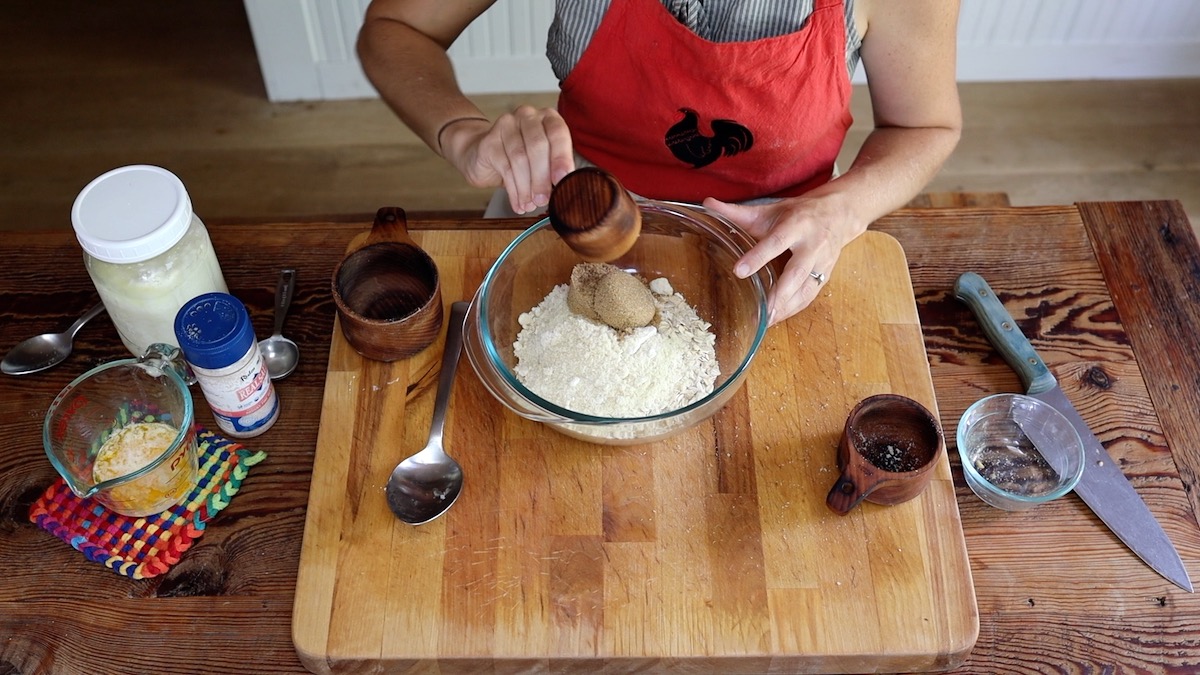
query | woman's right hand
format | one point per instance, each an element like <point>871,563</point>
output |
<point>527,151</point>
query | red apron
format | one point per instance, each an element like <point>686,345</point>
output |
<point>675,116</point>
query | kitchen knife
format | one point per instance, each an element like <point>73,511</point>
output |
<point>1103,487</point>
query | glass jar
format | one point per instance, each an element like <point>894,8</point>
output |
<point>145,250</point>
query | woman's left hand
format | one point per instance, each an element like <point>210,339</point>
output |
<point>908,53</point>
<point>813,229</point>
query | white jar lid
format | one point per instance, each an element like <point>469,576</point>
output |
<point>131,213</point>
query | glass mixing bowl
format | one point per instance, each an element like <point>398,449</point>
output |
<point>691,247</point>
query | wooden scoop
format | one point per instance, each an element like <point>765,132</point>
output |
<point>594,214</point>
<point>886,454</point>
<point>387,291</point>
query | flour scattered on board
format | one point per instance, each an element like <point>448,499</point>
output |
<point>588,367</point>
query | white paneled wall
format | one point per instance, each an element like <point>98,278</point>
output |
<point>306,47</point>
<point>506,50</point>
<point>1078,39</point>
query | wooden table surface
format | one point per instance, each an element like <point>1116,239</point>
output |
<point>1106,292</point>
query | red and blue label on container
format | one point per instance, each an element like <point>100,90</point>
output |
<point>217,339</point>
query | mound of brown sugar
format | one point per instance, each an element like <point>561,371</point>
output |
<point>608,293</point>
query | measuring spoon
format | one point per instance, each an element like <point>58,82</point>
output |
<point>47,350</point>
<point>426,484</point>
<point>280,353</point>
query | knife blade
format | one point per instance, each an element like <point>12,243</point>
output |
<point>1103,487</point>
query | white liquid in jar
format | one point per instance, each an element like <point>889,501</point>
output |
<point>142,298</point>
<point>130,449</point>
<point>145,249</point>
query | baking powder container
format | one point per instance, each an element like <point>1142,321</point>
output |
<point>145,250</point>
<point>217,339</point>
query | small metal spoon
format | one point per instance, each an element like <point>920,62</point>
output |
<point>47,350</point>
<point>426,485</point>
<point>280,353</point>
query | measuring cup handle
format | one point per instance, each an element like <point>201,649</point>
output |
<point>168,357</point>
<point>283,297</point>
<point>391,224</point>
<point>849,491</point>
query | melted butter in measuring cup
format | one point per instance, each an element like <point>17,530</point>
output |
<point>134,447</point>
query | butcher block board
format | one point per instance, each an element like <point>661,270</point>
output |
<point>710,551</point>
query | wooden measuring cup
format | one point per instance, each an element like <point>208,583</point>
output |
<point>387,292</point>
<point>594,214</point>
<point>887,453</point>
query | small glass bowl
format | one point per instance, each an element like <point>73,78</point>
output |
<point>1018,452</point>
<point>693,248</point>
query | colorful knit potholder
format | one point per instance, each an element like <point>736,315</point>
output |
<point>141,548</point>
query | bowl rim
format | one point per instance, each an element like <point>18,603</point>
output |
<point>972,475</point>
<point>730,234</point>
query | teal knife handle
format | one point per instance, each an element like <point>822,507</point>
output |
<point>1003,333</point>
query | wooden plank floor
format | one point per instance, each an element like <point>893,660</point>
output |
<point>90,86</point>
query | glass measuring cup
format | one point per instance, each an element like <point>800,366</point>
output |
<point>122,433</point>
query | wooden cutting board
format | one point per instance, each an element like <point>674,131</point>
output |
<point>710,551</point>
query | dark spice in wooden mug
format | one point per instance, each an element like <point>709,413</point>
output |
<point>887,452</point>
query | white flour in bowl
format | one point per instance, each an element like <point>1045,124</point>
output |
<point>588,367</point>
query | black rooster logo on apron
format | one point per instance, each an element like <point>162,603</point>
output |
<point>687,143</point>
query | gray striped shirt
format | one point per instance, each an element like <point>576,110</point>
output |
<point>575,21</point>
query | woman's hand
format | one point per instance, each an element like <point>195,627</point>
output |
<point>402,47</point>
<point>908,53</point>
<point>527,151</point>
<point>813,229</point>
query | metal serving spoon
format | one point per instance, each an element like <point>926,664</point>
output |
<point>280,353</point>
<point>426,485</point>
<point>47,350</point>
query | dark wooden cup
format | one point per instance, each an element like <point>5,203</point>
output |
<point>387,292</point>
<point>887,452</point>
<point>594,214</point>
